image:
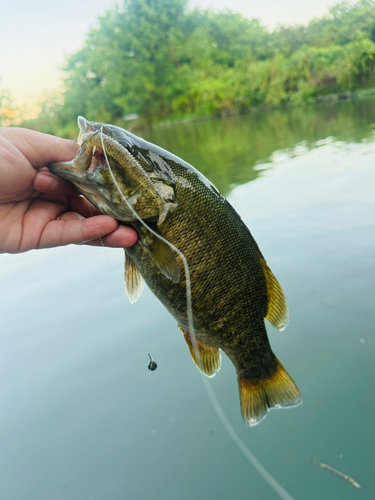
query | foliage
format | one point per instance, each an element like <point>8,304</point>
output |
<point>7,110</point>
<point>158,59</point>
<point>242,143</point>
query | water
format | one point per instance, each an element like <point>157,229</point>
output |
<point>82,417</point>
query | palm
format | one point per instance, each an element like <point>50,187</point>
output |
<point>20,208</point>
<point>16,182</point>
<point>32,224</point>
<point>37,210</point>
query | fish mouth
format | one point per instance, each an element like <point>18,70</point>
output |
<point>115,170</point>
<point>75,170</point>
<point>87,172</point>
<point>84,127</point>
<point>88,157</point>
<point>103,172</point>
<point>70,171</point>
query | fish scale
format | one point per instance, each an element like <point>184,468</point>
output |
<point>232,288</point>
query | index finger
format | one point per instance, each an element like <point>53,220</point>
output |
<point>40,148</point>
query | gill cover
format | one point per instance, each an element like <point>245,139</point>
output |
<point>154,185</point>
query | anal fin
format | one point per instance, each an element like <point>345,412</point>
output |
<point>258,396</point>
<point>206,357</point>
<point>134,283</point>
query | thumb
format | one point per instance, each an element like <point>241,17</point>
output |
<point>39,148</point>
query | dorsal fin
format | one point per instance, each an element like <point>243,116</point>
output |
<point>134,283</point>
<point>277,309</point>
<point>208,359</point>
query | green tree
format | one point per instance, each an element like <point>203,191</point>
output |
<point>340,26</point>
<point>7,110</point>
<point>159,59</point>
<point>128,63</point>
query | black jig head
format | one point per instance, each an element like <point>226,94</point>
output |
<point>152,365</point>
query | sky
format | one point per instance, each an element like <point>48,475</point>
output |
<point>36,36</point>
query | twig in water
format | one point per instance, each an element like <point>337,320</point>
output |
<point>338,473</point>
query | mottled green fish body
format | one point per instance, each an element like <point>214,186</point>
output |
<point>232,288</point>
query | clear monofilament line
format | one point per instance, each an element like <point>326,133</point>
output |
<point>108,259</point>
<point>170,245</point>
<point>262,471</point>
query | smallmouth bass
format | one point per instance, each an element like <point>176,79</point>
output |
<point>232,288</point>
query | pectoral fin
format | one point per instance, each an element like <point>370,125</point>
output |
<point>134,283</point>
<point>165,259</point>
<point>206,357</point>
<point>277,309</point>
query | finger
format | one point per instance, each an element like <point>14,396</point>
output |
<point>46,182</point>
<point>81,205</point>
<point>65,232</point>
<point>56,199</point>
<point>122,237</point>
<point>67,216</point>
<point>16,172</point>
<point>56,189</point>
<point>39,148</point>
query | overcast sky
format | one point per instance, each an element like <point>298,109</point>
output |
<point>36,35</point>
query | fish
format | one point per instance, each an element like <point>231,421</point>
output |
<point>179,214</point>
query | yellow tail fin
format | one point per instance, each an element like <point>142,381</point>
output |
<point>258,396</point>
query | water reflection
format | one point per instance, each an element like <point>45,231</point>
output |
<point>83,417</point>
<point>226,151</point>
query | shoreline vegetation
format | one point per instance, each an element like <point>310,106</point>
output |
<point>161,62</point>
<point>344,96</point>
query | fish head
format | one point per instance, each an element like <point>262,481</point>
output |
<point>114,170</point>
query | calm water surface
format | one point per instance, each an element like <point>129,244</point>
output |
<point>81,416</point>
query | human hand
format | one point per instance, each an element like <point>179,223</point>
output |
<point>39,210</point>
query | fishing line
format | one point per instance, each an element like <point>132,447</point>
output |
<point>105,251</point>
<point>168,243</point>
<point>262,471</point>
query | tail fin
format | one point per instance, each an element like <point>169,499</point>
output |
<point>258,396</point>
